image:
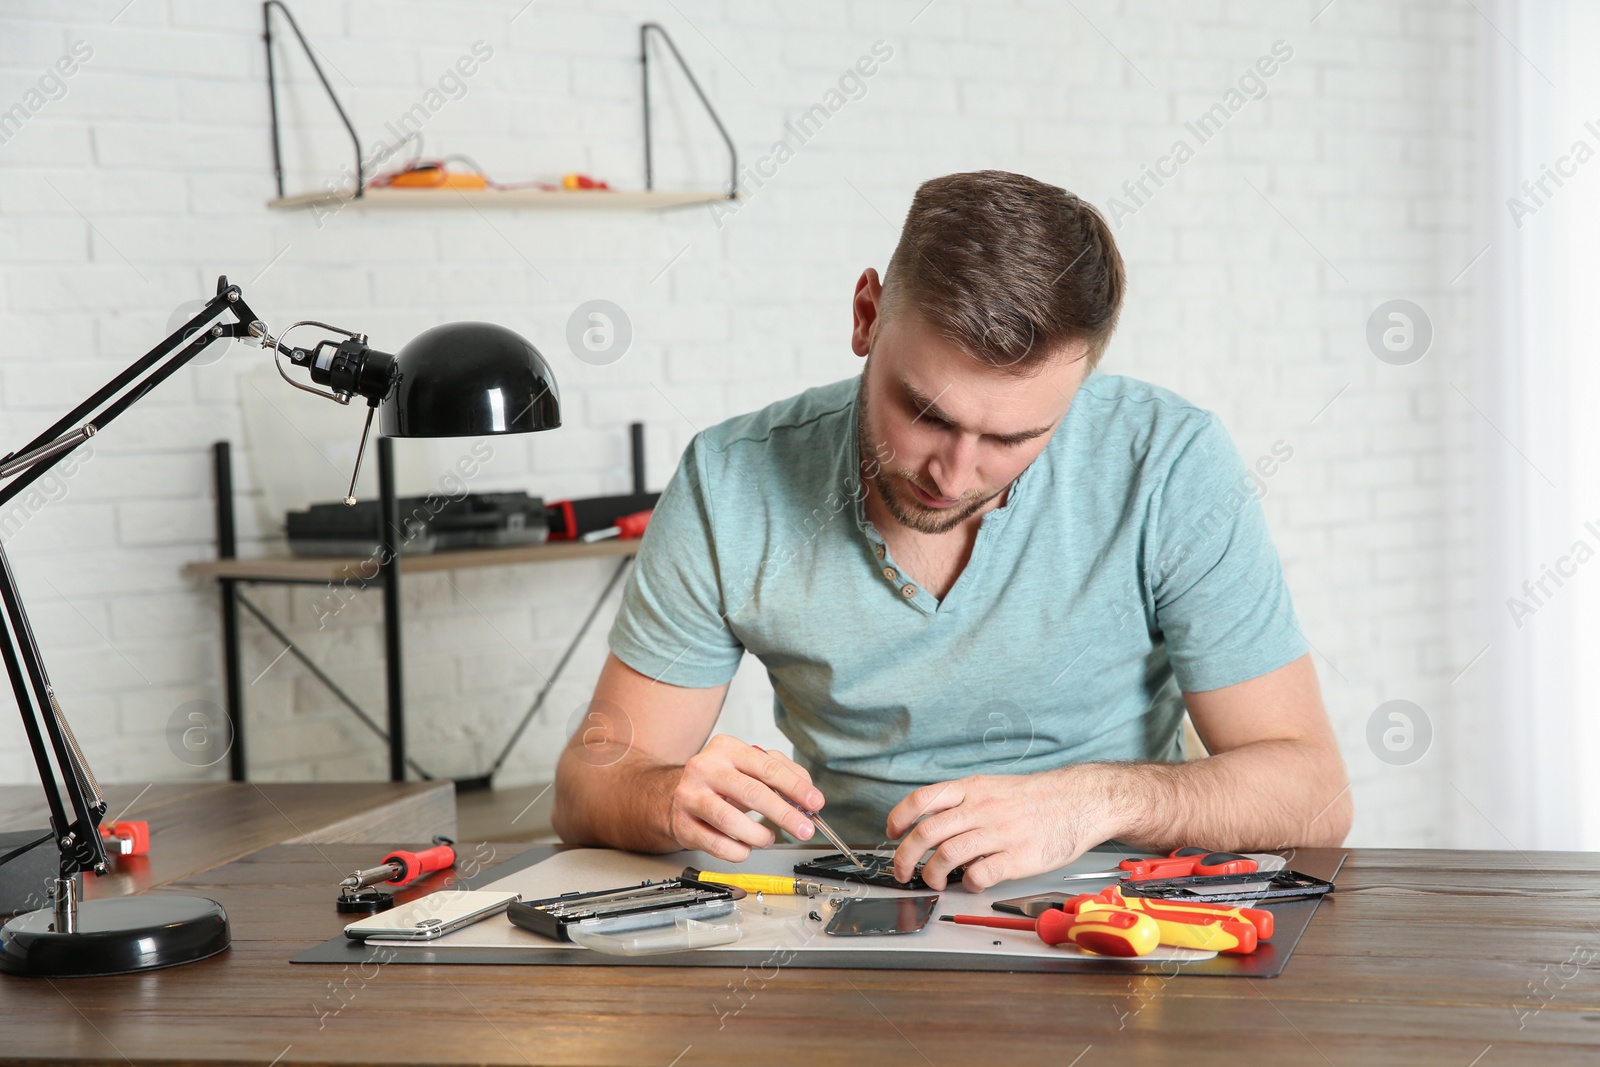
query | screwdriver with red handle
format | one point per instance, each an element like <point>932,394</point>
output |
<point>1177,910</point>
<point>402,868</point>
<point>1176,925</point>
<point>1107,932</point>
<point>1186,930</point>
<point>628,526</point>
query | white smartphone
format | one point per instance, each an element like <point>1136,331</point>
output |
<point>432,916</point>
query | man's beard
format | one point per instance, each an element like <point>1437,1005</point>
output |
<point>908,511</point>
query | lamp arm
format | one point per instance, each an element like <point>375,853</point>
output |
<point>128,387</point>
<point>348,367</point>
<point>227,296</point>
<point>75,802</point>
<point>74,797</point>
<point>65,443</point>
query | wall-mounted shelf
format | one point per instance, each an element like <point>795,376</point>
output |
<point>576,199</point>
<point>588,199</point>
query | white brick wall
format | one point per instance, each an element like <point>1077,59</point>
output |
<point>1252,275</point>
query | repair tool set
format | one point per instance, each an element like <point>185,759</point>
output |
<point>1189,900</point>
<point>1110,924</point>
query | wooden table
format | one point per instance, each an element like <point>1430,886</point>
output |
<point>1466,959</point>
<point>198,825</point>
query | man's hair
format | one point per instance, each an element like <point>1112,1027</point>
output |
<point>1008,267</point>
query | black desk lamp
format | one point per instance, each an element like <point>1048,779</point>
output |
<point>457,380</point>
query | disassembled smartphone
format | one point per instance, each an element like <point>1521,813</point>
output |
<point>612,911</point>
<point>879,870</point>
<point>432,916</point>
<point>1232,888</point>
<point>866,916</point>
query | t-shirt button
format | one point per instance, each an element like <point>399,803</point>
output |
<point>908,591</point>
<point>888,572</point>
<point>880,551</point>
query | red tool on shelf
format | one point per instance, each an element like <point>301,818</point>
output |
<point>628,526</point>
<point>126,837</point>
<point>575,180</point>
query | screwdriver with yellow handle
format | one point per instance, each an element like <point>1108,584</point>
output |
<point>1113,930</point>
<point>1179,910</point>
<point>1185,931</point>
<point>776,884</point>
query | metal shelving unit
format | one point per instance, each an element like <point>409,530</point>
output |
<point>232,573</point>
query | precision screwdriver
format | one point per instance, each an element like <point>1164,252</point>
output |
<point>764,883</point>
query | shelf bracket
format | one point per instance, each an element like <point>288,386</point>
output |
<point>645,29</point>
<point>272,95</point>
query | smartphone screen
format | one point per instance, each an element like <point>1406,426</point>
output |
<point>861,916</point>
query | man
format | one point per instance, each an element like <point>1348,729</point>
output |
<point>986,580</point>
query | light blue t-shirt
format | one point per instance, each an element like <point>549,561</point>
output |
<point>1131,562</point>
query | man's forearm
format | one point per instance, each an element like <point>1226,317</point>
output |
<point>1265,795</point>
<point>621,805</point>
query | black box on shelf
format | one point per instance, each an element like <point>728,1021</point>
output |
<point>427,524</point>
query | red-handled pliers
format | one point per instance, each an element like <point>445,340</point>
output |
<point>1184,862</point>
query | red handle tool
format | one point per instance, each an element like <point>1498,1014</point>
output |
<point>628,526</point>
<point>1188,863</point>
<point>1185,862</point>
<point>409,866</point>
<point>127,837</point>
<point>1176,910</point>
<point>1187,931</point>
<point>402,868</point>
<point>1106,932</point>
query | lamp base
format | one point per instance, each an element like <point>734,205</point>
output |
<point>119,935</point>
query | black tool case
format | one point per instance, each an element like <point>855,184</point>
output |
<point>427,524</point>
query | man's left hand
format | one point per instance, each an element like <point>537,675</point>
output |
<point>998,826</point>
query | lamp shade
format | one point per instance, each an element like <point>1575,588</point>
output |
<point>467,379</point>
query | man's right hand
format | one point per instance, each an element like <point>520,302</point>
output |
<point>727,779</point>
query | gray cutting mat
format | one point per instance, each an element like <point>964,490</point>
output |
<point>777,927</point>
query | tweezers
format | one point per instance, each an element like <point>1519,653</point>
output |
<point>821,824</point>
<point>827,831</point>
